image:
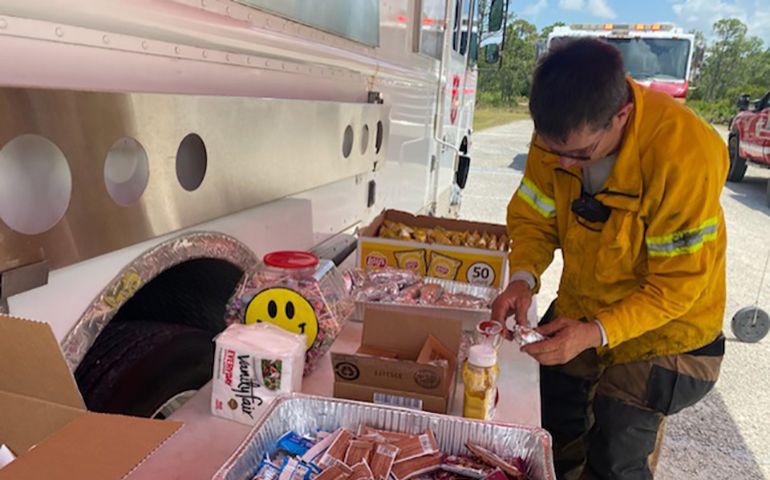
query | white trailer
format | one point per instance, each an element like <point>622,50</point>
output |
<point>152,150</point>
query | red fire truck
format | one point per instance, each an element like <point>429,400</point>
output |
<point>658,55</point>
<point>750,137</point>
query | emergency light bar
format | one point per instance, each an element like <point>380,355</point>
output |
<point>645,27</point>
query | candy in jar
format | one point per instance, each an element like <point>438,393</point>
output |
<point>480,382</point>
<point>299,293</point>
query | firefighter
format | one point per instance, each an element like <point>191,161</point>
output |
<point>626,182</point>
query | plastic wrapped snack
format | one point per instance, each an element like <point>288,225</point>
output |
<point>526,335</point>
<point>299,293</point>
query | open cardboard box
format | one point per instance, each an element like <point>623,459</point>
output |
<point>393,363</point>
<point>477,266</point>
<point>45,423</point>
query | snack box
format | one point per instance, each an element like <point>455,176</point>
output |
<point>477,266</point>
<point>44,422</point>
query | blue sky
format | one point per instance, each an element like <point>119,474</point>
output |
<point>698,14</point>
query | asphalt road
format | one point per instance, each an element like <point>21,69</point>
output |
<point>727,435</point>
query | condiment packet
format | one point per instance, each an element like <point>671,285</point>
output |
<point>418,446</point>
<point>416,466</point>
<point>337,449</point>
<point>382,460</point>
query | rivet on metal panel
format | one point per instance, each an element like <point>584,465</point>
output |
<point>204,54</point>
<point>177,50</point>
<point>145,45</point>
<point>3,23</point>
<point>59,32</point>
<point>106,39</point>
<point>283,66</point>
<point>248,60</point>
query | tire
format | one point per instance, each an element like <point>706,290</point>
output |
<point>737,163</point>
<point>135,367</point>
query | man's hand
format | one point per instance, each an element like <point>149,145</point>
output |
<point>568,339</point>
<point>516,300</point>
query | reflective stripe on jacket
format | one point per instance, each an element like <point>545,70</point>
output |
<point>654,272</point>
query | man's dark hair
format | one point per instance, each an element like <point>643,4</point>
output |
<point>578,83</point>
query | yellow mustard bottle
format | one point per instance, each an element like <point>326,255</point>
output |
<point>480,381</point>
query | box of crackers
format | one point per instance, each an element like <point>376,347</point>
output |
<point>458,250</point>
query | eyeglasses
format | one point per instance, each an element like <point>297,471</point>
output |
<point>579,158</point>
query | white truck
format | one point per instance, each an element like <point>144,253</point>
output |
<point>152,150</point>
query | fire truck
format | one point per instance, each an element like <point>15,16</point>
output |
<point>749,139</point>
<point>659,55</point>
<point>152,151</point>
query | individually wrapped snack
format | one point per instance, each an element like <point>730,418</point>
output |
<point>382,460</point>
<point>416,466</point>
<point>376,292</point>
<point>294,444</point>
<point>465,466</point>
<point>525,335</point>
<point>403,278</point>
<point>441,236</point>
<point>462,300</point>
<point>293,469</point>
<point>409,295</point>
<point>337,449</point>
<point>417,446</point>
<point>358,450</point>
<point>361,471</point>
<point>503,244</point>
<point>267,471</point>
<point>412,260</point>
<point>492,245</point>
<point>389,437</point>
<point>354,278</point>
<point>473,239</point>
<point>514,468</point>
<point>430,293</point>
<point>443,266</point>
<point>316,451</point>
<point>421,235</point>
<point>496,475</point>
<point>337,471</point>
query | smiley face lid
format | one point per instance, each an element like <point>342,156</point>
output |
<point>291,260</point>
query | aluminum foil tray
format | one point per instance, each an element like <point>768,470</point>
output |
<point>470,317</point>
<point>306,414</point>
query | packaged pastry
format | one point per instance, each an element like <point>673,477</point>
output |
<point>416,466</point>
<point>382,460</point>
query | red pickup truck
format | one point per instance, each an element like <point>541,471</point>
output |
<point>750,137</point>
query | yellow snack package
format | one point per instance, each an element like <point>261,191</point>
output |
<point>492,245</point>
<point>413,260</point>
<point>504,243</point>
<point>458,238</point>
<point>443,266</point>
<point>484,241</point>
<point>441,236</point>
<point>421,235</point>
<point>473,239</point>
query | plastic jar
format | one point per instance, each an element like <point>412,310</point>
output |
<point>299,293</point>
<point>480,382</point>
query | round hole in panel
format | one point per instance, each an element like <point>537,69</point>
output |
<point>378,138</point>
<point>35,184</point>
<point>347,142</point>
<point>126,171</point>
<point>191,162</point>
<point>364,139</point>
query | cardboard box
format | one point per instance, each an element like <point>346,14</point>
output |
<point>403,380</point>
<point>40,407</point>
<point>463,264</point>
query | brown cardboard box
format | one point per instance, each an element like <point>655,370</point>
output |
<point>40,407</point>
<point>463,264</point>
<point>365,377</point>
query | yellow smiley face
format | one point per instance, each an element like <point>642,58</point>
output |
<point>286,309</point>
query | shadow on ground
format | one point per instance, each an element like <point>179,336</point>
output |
<point>752,192</point>
<point>519,162</point>
<point>707,423</point>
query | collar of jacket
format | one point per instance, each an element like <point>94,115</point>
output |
<point>623,189</point>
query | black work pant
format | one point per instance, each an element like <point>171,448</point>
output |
<point>607,423</point>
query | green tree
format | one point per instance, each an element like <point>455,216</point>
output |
<point>547,30</point>
<point>730,60</point>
